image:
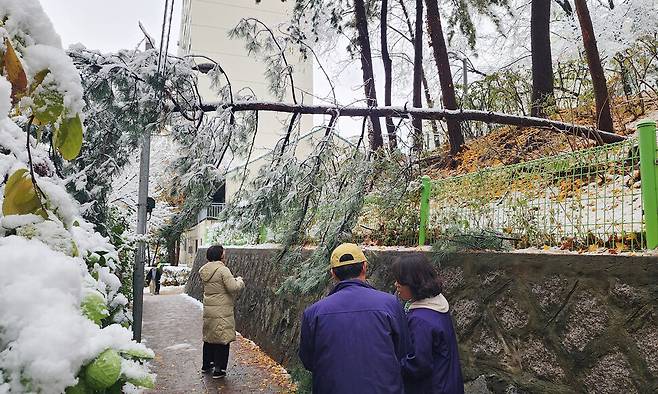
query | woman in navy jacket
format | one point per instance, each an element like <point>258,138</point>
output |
<point>433,367</point>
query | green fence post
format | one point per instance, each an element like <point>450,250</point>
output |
<point>262,234</point>
<point>649,175</point>
<point>424,209</point>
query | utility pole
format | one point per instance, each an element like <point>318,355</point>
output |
<point>140,255</point>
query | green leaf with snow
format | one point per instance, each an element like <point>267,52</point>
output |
<point>80,388</point>
<point>116,388</point>
<point>48,106</point>
<point>93,306</point>
<point>20,196</point>
<point>145,381</point>
<point>138,353</point>
<point>68,137</point>
<point>104,371</point>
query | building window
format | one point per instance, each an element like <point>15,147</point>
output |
<point>220,195</point>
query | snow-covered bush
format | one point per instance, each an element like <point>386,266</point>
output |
<point>62,315</point>
<point>174,276</point>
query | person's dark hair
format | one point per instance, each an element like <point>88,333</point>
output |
<point>419,274</point>
<point>214,253</point>
<point>349,271</point>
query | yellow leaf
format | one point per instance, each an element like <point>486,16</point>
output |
<point>593,248</point>
<point>20,197</point>
<point>38,79</point>
<point>68,138</point>
<point>14,72</point>
<point>620,246</point>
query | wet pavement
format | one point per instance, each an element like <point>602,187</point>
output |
<point>172,328</point>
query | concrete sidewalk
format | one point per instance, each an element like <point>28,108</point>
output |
<point>172,328</point>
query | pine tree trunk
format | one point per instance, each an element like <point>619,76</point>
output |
<point>542,66</point>
<point>438,44</point>
<point>603,116</point>
<point>417,124</point>
<point>388,75</point>
<point>430,104</point>
<point>428,96</point>
<point>361,21</point>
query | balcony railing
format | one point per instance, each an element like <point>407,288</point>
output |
<point>210,212</point>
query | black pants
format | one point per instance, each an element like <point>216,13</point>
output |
<point>215,354</point>
<point>157,287</point>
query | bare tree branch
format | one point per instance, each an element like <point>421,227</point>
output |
<point>421,113</point>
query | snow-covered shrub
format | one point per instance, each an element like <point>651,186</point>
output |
<point>174,276</point>
<point>61,309</point>
<point>226,233</point>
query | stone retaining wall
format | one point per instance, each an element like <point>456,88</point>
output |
<point>525,322</point>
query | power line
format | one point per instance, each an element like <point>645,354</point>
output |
<point>166,52</point>
<point>162,32</point>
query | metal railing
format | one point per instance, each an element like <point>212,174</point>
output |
<point>211,212</point>
<point>578,199</point>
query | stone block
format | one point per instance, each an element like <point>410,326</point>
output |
<point>464,313</point>
<point>626,295</point>
<point>587,320</point>
<point>537,359</point>
<point>509,314</point>
<point>550,292</point>
<point>646,340</point>
<point>487,343</point>
<point>452,277</point>
<point>610,375</point>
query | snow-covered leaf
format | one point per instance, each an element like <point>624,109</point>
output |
<point>104,371</point>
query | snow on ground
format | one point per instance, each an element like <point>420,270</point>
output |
<point>192,301</point>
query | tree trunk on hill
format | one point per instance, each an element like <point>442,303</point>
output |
<point>430,104</point>
<point>361,22</point>
<point>417,123</point>
<point>438,44</point>
<point>542,66</point>
<point>428,97</point>
<point>603,116</point>
<point>388,75</point>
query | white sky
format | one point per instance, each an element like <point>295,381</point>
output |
<point>110,25</point>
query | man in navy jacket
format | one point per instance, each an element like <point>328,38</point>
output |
<point>353,340</point>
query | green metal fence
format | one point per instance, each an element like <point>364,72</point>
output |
<point>575,200</point>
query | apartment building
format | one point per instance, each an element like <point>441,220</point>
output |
<point>204,31</point>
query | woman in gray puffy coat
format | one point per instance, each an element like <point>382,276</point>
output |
<point>220,289</point>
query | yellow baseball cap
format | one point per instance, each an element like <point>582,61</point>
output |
<point>346,254</point>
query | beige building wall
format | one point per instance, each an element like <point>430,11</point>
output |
<point>204,31</point>
<point>192,240</point>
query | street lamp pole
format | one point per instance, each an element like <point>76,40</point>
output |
<point>140,255</point>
